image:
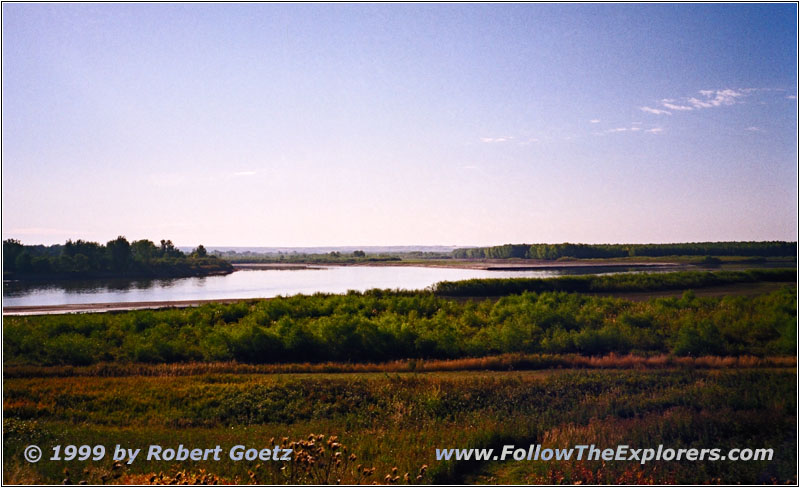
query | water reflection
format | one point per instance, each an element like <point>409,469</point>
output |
<point>17,288</point>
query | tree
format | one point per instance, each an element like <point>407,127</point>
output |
<point>168,250</point>
<point>12,248</point>
<point>120,251</point>
<point>143,250</point>
<point>23,262</point>
<point>200,252</point>
<point>80,263</point>
<point>359,254</point>
<point>41,265</point>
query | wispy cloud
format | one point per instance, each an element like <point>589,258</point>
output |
<point>654,111</point>
<point>754,129</point>
<point>717,98</point>
<point>490,140</point>
<point>704,99</point>
<point>244,173</point>
<point>633,129</point>
<point>673,106</point>
<point>791,97</point>
<point>594,121</point>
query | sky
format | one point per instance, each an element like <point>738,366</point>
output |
<point>399,124</point>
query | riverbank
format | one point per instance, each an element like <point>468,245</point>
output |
<point>275,266</point>
<point>679,262</point>
<point>114,307</point>
<point>481,264</point>
<point>737,289</point>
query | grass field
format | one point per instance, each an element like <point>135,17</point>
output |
<point>394,422</point>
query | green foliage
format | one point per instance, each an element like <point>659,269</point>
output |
<point>120,252</point>
<point>707,261</point>
<point>118,258</point>
<point>591,251</point>
<point>381,325</point>
<point>622,282</point>
<point>200,252</point>
<point>72,348</point>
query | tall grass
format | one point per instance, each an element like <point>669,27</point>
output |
<point>394,423</point>
<point>503,362</point>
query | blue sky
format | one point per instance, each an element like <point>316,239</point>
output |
<point>379,124</point>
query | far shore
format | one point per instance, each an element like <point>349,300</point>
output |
<point>482,264</point>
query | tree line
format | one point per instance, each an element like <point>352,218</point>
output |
<point>333,257</point>
<point>117,258</point>
<point>610,283</point>
<point>593,251</point>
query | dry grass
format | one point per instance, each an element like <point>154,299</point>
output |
<point>394,423</point>
<point>503,362</point>
<point>17,473</point>
<point>674,423</point>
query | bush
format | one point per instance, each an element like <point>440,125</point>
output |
<point>384,326</point>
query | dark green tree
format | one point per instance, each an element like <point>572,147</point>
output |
<point>23,262</point>
<point>143,250</point>
<point>120,252</point>
<point>12,248</point>
<point>168,250</point>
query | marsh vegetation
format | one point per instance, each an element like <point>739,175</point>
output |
<point>391,376</point>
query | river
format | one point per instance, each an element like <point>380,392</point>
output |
<point>251,284</point>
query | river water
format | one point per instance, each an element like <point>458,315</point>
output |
<point>250,284</point>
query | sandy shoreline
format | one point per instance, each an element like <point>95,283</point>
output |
<point>275,266</point>
<point>112,307</point>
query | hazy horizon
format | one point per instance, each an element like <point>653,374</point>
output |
<point>346,125</point>
<point>381,248</point>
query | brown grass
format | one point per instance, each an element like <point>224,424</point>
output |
<point>504,362</point>
<point>673,422</point>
